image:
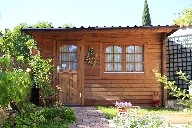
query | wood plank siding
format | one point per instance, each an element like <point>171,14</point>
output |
<point>99,87</point>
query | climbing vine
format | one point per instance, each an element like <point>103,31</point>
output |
<point>91,56</point>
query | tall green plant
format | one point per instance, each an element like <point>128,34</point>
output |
<point>15,84</point>
<point>41,72</point>
<point>18,45</point>
<point>146,19</point>
<point>175,90</point>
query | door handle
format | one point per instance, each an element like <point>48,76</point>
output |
<point>58,68</point>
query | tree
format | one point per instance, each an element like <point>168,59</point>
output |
<point>146,19</point>
<point>68,26</point>
<point>17,46</point>
<point>185,18</point>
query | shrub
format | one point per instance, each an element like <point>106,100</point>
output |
<point>34,117</point>
<point>186,98</point>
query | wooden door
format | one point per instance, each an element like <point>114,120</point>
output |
<point>68,73</point>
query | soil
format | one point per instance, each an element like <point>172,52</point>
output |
<point>178,118</point>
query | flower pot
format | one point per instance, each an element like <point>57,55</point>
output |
<point>155,99</point>
<point>123,109</point>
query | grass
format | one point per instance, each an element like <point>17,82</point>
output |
<point>111,112</point>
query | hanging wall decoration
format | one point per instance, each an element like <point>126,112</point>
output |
<point>91,56</point>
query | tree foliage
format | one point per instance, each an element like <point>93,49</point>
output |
<point>146,19</point>
<point>42,25</point>
<point>15,84</point>
<point>68,26</point>
<point>18,46</point>
<point>185,18</point>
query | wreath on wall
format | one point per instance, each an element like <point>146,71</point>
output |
<point>91,56</point>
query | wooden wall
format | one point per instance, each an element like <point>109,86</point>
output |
<point>100,88</point>
<point>104,89</point>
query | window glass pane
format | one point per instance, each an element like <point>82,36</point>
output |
<point>109,57</point>
<point>117,57</point>
<point>139,67</point>
<point>72,48</point>
<point>139,58</point>
<point>117,67</point>
<point>73,56</point>
<point>64,56</point>
<point>64,48</point>
<point>138,49</point>
<point>109,49</point>
<point>117,49</point>
<point>129,57</point>
<point>73,65</point>
<point>109,67</point>
<point>64,66</point>
<point>130,49</point>
<point>130,67</point>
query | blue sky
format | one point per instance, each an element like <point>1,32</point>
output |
<point>88,12</point>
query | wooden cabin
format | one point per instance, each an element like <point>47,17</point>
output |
<point>99,66</point>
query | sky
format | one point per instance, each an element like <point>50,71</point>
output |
<point>88,12</point>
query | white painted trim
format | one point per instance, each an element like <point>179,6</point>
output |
<point>124,72</point>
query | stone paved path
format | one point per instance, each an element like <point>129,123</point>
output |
<point>90,117</point>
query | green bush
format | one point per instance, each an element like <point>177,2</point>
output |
<point>34,117</point>
<point>183,94</point>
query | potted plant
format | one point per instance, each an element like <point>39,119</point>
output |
<point>123,106</point>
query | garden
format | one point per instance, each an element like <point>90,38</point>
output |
<point>126,115</point>
<point>20,71</point>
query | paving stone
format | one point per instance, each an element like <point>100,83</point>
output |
<point>90,117</point>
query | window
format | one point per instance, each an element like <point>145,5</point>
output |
<point>134,59</point>
<point>68,57</point>
<point>114,59</point>
<point>124,58</point>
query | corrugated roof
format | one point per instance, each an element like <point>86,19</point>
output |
<point>171,29</point>
<point>104,27</point>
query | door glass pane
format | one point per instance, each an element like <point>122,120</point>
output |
<point>64,66</point>
<point>130,67</point>
<point>73,65</point>
<point>109,67</point>
<point>64,48</point>
<point>117,57</point>
<point>117,49</point>
<point>138,49</point>
<point>109,49</point>
<point>130,49</point>
<point>117,67</point>
<point>139,58</point>
<point>109,57</point>
<point>129,57</point>
<point>139,67</point>
<point>72,48</point>
<point>64,56</point>
<point>73,56</point>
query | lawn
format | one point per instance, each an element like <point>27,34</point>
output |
<point>111,112</point>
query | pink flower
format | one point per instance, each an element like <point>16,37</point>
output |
<point>123,104</point>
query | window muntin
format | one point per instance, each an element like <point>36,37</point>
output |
<point>68,57</point>
<point>133,62</point>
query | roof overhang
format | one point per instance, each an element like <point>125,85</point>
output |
<point>141,29</point>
